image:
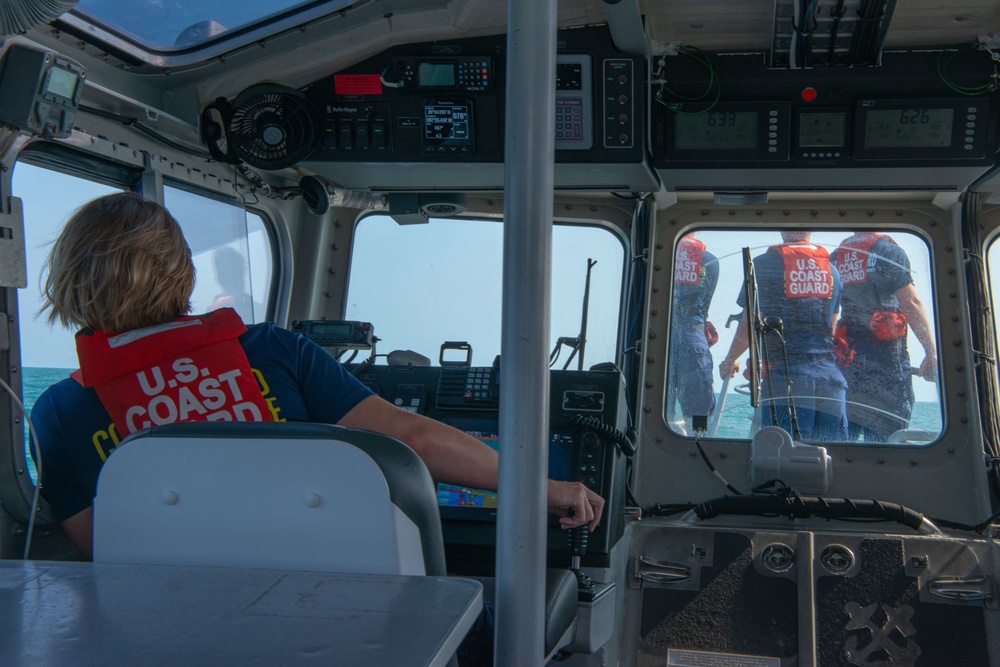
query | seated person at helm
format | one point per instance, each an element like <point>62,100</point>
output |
<point>122,271</point>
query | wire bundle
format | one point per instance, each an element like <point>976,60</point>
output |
<point>869,35</point>
<point>943,61</point>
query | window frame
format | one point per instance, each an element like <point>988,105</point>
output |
<point>732,261</point>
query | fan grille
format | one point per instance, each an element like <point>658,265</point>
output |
<point>272,129</point>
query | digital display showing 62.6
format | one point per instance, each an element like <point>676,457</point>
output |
<point>909,128</point>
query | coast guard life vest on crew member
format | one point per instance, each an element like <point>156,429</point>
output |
<point>691,286</point>
<point>687,267</point>
<point>190,369</point>
<point>803,299</point>
<point>806,270</point>
<point>862,303</point>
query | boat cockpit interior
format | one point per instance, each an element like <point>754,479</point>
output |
<point>368,169</point>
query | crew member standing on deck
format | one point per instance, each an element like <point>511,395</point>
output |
<point>696,275</point>
<point>879,302</point>
<point>797,283</point>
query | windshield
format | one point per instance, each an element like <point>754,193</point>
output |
<point>845,355</point>
<point>173,25</point>
<point>423,285</point>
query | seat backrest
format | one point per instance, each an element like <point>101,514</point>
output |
<point>284,496</point>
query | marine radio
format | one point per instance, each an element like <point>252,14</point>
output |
<point>342,334</point>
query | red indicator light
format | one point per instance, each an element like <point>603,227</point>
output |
<point>809,94</point>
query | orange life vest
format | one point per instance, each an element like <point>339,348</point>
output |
<point>190,369</point>
<point>806,270</point>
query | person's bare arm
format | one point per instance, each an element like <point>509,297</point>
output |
<point>916,317</point>
<point>731,365</point>
<point>454,457</point>
<point>80,529</point>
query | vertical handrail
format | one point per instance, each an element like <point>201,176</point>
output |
<point>524,376</point>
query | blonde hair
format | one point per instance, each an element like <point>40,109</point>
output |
<point>120,263</point>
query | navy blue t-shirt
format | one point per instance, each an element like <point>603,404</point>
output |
<point>886,271</point>
<point>299,380</point>
<point>807,320</point>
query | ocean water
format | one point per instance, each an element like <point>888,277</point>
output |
<point>735,421</point>
<point>736,418</point>
<point>34,382</point>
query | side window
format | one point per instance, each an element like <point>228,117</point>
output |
<point>232,251</point>
<point>48,353</point>
<point>233,254</point>
<point>422,285</point>
<point>848,350</point>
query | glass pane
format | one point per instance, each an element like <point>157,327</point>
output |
<point>182,24</point>
<point>48,354</point>
<point>870,383</point>
<point>422,285</point>
<point>233,255</point>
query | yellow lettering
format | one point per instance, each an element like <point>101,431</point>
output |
<point>101,443</point>
<point>274,408</point>
<point>264,389</point>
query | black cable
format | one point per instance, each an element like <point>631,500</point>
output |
<point>837,14</point>
<point>625,444</point>
<point>704,457</point>
<point>865,44</point>
<point>363,367</point>
<point>134,122</point>
<point>766,367</point>
<point>804,32</point>
<point>789,401</point>
<point>983,335</point>
<point>803,507</point>
<point>667,510</point>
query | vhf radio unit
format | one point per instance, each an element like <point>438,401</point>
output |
<point>341,334</point>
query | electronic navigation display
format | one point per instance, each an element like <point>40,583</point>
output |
<point>561,455</point>
<point>909,128</point>
<point>448,127</point>
<point>822,129</point>
<point>717,130</point>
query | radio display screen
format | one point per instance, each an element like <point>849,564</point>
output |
<point>62,83</point>
<point>331,329</point>
<point>436,75</point>
<point>909,128</point>
<point>717,130</point>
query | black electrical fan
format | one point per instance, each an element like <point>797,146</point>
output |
<point>268,126</point>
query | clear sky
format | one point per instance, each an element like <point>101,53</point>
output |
<point>49,197</point>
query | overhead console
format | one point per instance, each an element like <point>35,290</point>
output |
<point>587,416</point>
<point>920,120</point>
<point>406,118</point>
